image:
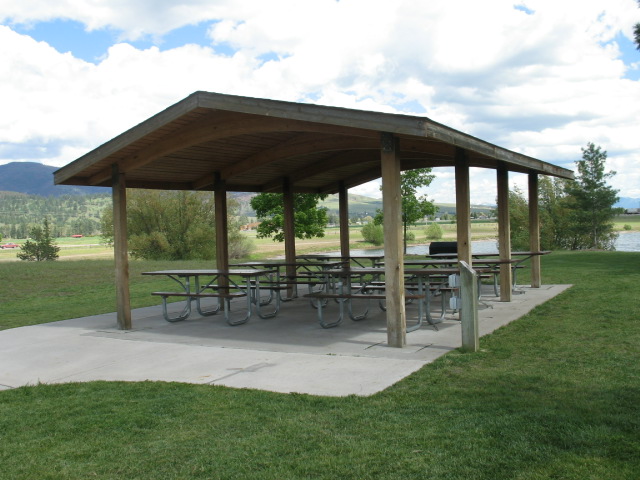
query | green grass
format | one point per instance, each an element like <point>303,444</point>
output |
<point>38,292</point>
<point>554,395</point>
<point>632,220</point>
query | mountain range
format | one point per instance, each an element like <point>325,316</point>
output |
<point>37,179</point>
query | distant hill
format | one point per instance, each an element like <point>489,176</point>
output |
<point>359,205</point>
<point>37,179</point>
<point>626,202</point>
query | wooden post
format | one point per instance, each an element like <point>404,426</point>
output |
<point>393,256</point>
<point>463,206</point>
<point>469,308</point>
<point>504,232</point>
<point>222,226</point>
<point>534,231</point>
<point>289,227</point>
<point>121,249</point>
<point>343,206</point>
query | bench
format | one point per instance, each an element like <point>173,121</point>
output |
<point>186,311</point>
<point>434,290</point>
<point>343,298</point>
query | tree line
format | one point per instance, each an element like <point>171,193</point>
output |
<point>574,215</point>
<point>66,214</point>
<point>181,225</point>
<point>176,225</point>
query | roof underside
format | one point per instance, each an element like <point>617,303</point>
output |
<point>208,141</point>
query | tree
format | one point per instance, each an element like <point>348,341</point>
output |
<point>309,219</point>
<point>591,202</point>
<point>40,247</point>
<point>554,211</point>
<point>518,220</point>
<point>414,208</point>
<point>573,214</point>
<point>373,233</point>
<point>167,225</point>
<point>434,232</point>
<point>83,226</point>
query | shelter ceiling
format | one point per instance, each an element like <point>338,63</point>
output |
<point>253,144</point>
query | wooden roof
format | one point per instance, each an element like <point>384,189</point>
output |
<point>251,144</point>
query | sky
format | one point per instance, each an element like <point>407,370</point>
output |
<point>539,77</point>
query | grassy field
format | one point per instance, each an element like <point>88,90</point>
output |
<point>92,247</point>
<point>632,220</point>
<point>554,395</point>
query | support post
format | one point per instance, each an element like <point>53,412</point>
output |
<point>343,206</point>
<point>289,227</point>
<point>463,206</point>
<point>393,256</point>
<point>504,232</point>
<point>534,231</point>
<point>121,249</point>
<point>222,226</point>
<point>469,308</point>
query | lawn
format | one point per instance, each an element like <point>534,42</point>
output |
<point>554,395</point>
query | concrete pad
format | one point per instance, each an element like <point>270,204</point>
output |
<point>288,353</point>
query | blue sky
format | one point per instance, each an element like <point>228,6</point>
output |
<point>540,77</point>
<point>91,46</point>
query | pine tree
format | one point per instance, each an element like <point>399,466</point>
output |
<point>591,202</point>
<point>40,247</point>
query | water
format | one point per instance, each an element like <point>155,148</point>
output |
<point>626,242</point>
<point>478,247</point>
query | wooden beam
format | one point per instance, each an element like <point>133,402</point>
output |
<point>212,127</point>
<point>121,250</point>
<point>320,167</point>
<point>393,256</point>
<point>463,206</point>
<point>534,231</point>
<point>504,232</point>
<point>289,225</point>
<point>300,145</point>
<point>222,233</point>
<point>353,181</point>
<point>343,210</point>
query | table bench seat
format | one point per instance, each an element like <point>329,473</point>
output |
<point>343,298</point>
<point>350,296</point>
<point>201,295</point>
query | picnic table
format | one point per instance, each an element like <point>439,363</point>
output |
<point>357,259</point>
<point>366,283</point>
<point>220,284</point>
<point>308,273</point>
<point>493,260</point>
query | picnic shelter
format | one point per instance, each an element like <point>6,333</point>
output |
<point>226,143</point>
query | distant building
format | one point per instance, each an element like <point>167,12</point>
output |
<point>632,211</point>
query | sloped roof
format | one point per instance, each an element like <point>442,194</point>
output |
<point>251,144</point>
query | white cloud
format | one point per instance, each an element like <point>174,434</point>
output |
<point>543,81</point>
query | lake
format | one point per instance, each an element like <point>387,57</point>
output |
<point>626,242</point>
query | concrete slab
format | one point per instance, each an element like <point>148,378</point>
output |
<point>288,353</point>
